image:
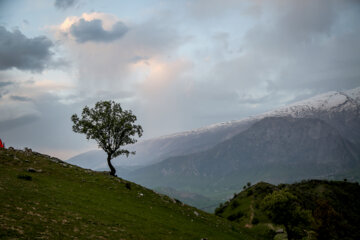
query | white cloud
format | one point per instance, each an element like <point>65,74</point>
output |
<point>181,66</point>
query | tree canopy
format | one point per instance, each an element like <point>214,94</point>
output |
<point>110,126</point>
<point>282,207</point>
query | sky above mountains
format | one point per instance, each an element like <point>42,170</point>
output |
<point>178,65</point>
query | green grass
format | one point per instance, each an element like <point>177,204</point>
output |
<point>67,202</point>
<point>247,203</point>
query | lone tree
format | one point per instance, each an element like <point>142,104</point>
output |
<point>110,126</point>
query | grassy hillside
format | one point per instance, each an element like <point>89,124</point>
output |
<point>334,207</point>
<point>244,208</point>
<point>42,197</point>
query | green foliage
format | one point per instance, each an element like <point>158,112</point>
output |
<point>235,216</point>
<point>278,205</point>
<point>110,126</point>
<point>282,207</point>
<point>255,221</point>
<point>335,206</point>
<point>220,210</point>
<point>249,192</point>
<point>262,189</point>
<point>311,209</point>
<point>271,233</point>
<point>234,204</point>
<point>327,219</point>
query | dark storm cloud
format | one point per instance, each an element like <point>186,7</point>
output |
<point>294,48</point>
<point>4,84</point>
<point>48,129</point>
<point>64,4</point>
<point>20,98</point>
<point>136,59</point>
<point>3,93</point>
<point>319,41</point>
<point>93,30</point>
<point>7,125</point>
<point>18,51</point>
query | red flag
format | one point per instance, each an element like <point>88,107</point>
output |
<point>1,144</point>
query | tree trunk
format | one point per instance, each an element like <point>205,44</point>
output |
<point>112,169</point>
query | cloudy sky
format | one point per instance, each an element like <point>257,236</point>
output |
<point>179,65</point>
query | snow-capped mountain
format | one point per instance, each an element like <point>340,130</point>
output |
<point>339,109</point>
<point>315,138</point>
<point>274,149</point>
<point>328,103</point>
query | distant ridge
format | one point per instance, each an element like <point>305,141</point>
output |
<point>274,149</point>
<point>157,149</point>
<point>315,138</point>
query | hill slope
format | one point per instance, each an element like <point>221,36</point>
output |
<point>334,206</point>
<point>42,197</point>
<point>315,138</point>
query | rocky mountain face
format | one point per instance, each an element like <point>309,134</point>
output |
<point>274,149</point>
<point>315,138</point>
<point>339,109</point>
<point>155,150</point>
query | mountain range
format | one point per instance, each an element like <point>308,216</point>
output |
<point>315,138</point>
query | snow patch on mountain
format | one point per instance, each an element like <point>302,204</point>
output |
<point>328,102</point>
<point>157,149</point>
<point>354,94</point>
<point>209,128</point>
